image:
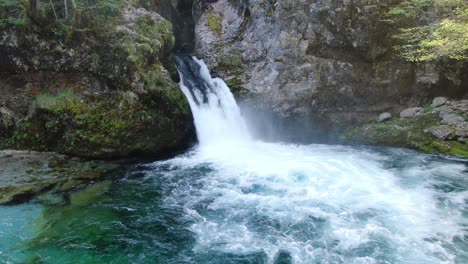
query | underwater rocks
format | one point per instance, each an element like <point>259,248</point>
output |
<point>440,129</point>
<point>103,92</point>
<point>26,174</point>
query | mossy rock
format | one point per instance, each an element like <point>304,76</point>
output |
<point>408,133</point>
<point>105,94</point>
<point>102,125</point>
<point>232,68</point>
<point>214,22</point>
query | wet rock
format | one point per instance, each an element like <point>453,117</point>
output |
<point>51,199</point>
<point>439,101</point>
<point>26,174</point>
<point>384,117</point>
<point>71,184</point>
<point>283,257</point>
<point>410,112</point>
<point>90,175</point>
<point>441,132</point>
<point>90,194</point>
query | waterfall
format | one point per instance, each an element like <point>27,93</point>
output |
<point>217,116</point>
<point>262,201</point>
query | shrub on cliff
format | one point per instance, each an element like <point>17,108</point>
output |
<point>430,29</point>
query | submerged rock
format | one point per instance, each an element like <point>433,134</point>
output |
<point>283,257</point>
<point>26,174</point>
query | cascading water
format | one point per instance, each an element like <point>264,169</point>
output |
<point>234,199</point>
<point>216,114</point>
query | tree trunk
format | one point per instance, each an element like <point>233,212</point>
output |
<point>53,9</point>
<point>32,9</point>
<point>65,4</point>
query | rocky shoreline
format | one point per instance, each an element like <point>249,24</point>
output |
<point>440,127</point>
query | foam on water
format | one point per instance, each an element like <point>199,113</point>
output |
<point>320,203</point>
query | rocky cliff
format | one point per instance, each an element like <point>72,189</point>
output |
<point>90,86</point>
<point>332,59</point>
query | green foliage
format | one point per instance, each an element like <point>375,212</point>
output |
<point>445,36</point>
<point>12,12</point>
<point>428,109</point>
<point>62,17</point>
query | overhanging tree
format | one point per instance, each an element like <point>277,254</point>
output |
<point>431,29</point>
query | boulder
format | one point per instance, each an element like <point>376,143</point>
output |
<point>410,112</point>
<point>462,130</point>
<point>105,92</point>
<point>442,132</point>
<point>451,119</point>
<point>439,101</point>
<point>384,117</point>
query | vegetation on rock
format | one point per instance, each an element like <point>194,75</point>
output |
<point>214,22</point>
<point>91,79</point>
<point>419,132</point>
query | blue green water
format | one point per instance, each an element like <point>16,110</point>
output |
<point>271,203</point>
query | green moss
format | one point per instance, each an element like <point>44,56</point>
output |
<point>234,85</point>
<point>232,65</point>
<point>50,100</point>
<point>28,135</point>
<point>214,22</point>
<point>231,62</point>
<point>279,59</point>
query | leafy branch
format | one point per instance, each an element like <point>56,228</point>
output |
<point>431,29</point>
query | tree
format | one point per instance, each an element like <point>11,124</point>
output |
<point>431,29</point>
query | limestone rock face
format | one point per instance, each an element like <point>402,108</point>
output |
<point>327,58</point>
<point>102,94</point>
